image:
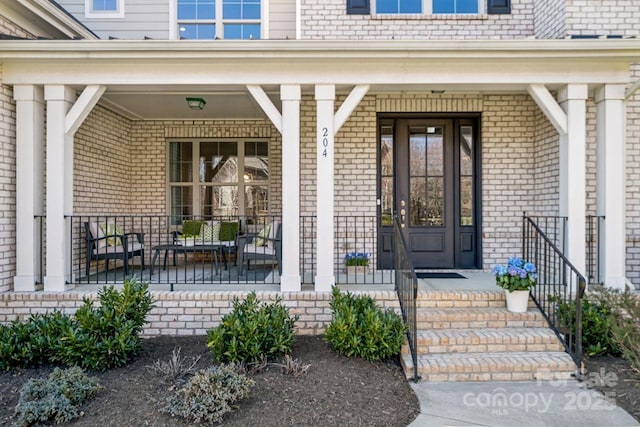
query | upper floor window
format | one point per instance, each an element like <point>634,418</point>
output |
<point>428,6</point>
<point>104,8</point>
<point>225,19</point>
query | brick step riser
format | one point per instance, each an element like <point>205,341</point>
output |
<point>465,324</point>
<point>485,373</point>
<point>485,348</point>
<point>426,304</point>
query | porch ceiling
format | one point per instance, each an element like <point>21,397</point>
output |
<point>150,79</point>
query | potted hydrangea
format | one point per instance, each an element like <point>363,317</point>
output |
<point>356,262</point>
<point>516,278</point>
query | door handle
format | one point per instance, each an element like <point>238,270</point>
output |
<point>402,217</point>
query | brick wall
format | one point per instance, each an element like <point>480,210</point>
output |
<point>508,168</point>
<point>603,17</point>
<point>633,182</point>
<point>8,170</point>
<point>550,19</point>
<point>546,178</point>
<point>327,19</point>
<point>190,313</point>
<point>102,164</point>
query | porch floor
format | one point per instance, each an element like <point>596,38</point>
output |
<point>475,280</point>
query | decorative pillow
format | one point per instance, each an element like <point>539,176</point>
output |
<point>228,231</point>
<point>262,236</point>
<point>110,231</point>
<point>191,228</point>
<point>210,233</point>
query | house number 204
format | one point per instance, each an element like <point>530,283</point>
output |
<point>325,141</point>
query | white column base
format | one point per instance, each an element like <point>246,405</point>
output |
<point>324,283</point>
<point>616,282</point>
<point>290,283</point>
<point>24,283</point>
<point>55,284</point>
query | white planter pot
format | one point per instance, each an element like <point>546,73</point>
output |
<point>517,301</point>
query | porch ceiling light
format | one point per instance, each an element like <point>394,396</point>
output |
<point>196,103</point>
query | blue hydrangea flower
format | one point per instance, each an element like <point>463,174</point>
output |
<point>515,262</point>
<point>529,267</point>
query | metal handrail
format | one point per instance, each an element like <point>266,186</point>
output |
<point>559,282</point>
<point>406,286</point>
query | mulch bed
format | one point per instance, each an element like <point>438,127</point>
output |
<point>613,377</point>
<point>335,390</point>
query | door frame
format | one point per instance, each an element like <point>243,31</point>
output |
<point>384,233</point>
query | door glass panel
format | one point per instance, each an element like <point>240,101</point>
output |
<point>417,152</point>
<point>219,162</point>
<point>466,175</point>
<point>386,175</point>
<point>466,200</point>
<point>435,154</point>
<point>417,202</point>
<point>435,208</point>
<point>386,196</point>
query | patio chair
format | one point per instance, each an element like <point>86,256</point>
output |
<point>105,241</point>
<point>265,245</point>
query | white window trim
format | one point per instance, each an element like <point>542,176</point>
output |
<point>89,13</point>
<point>195,182</point>
<point>427,9</point>
<point>174,31</point>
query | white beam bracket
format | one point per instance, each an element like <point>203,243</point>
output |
<point>549,107</point>
<point>267,106</point>
<point>82,108</point>
<point>349,104</point>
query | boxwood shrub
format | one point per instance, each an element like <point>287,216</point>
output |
<point>361,329</point>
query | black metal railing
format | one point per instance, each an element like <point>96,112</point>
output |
<point>352,235</point>
<point>559,289</point>
<point>594,225</point>
<point>170,250</point>
<point>406,285</point>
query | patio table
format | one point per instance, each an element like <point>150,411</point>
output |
<point>186,247</point>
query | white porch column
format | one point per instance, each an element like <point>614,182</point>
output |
<point>572,99</point>
<point>29,183</point>
<point>325,98</point>
<point>290,279</point>
<point>611,185</point>
<point>59,185</point>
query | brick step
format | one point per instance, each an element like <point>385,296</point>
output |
<point>518,366</point>
<point>478,317</point>
<point>486,340</point>
<point>463,299</point>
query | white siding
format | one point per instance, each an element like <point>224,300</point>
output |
<point>142,18</point>
<point>282,19</point>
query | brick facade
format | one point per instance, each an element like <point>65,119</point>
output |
<point>327,20</point>
<point>190,313</point>
<point>550,19</point>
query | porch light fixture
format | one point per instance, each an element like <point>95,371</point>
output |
<point>196,103</point>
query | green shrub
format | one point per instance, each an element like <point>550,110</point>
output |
<point>209,395</point>
<point>360,329</point>
<point>596,334</point>
<point>107,336</point>
<point>32,342</point>
<point>623,322</point>
<point>253,332</point>
<point>56,398</point>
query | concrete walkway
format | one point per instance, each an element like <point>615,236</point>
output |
<point>517,404</point>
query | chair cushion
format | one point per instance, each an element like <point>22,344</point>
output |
<point>260,240</point>
<point>253,249</point>
<point>274,230</point>
<point>110,229</point>
<point>96,233</point>
<point>228,231</point>
<point>210,233</point>
<point>117,249</point>
<point>191,228</point>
